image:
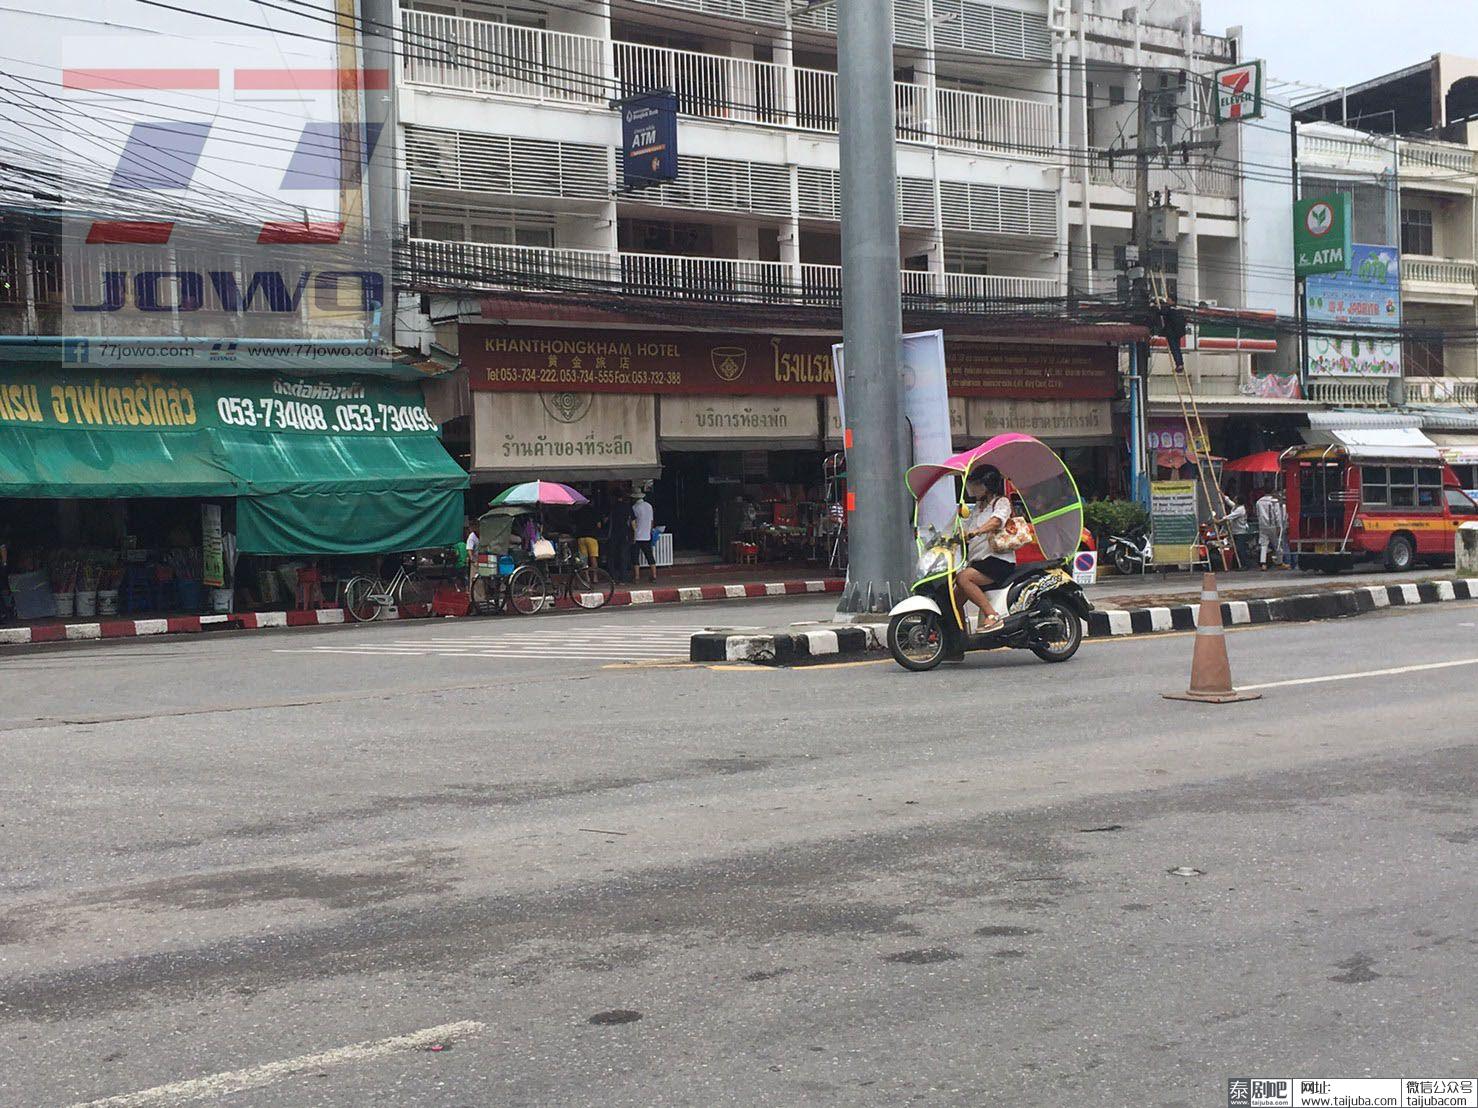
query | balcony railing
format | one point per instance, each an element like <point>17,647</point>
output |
<point>1440,271</point>
<point>473,55</point>
<point>1202,180</point>
<point>670,276</point>
<point>478,55</point>
<point>1462,391</point>
<point>1435,160</point>
<point>1352,393</point>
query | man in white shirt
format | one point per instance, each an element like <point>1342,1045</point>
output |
<point>472,541</point>
<point>641,535</point>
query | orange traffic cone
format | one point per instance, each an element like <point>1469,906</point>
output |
<point>1211,670</point>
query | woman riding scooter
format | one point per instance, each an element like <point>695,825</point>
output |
<point>987,568</point>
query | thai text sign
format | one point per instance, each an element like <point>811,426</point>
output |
<point>167,402</point>
<point>1368,295</point>
<point>1173,521</point>
<point>723,419</point>
<point>1321,235</point>
<point>561,359</point>
<point>570,430</point>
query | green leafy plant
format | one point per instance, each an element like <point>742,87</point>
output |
<point>1113,517</point>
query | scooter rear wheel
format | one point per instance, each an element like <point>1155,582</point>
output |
<point>916,640</point>
<point>1064,647</point>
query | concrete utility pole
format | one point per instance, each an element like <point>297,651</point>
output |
<point>378,24</point>
<point>877,439</point>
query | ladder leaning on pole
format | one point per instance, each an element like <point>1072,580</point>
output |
<point>1200,450</point>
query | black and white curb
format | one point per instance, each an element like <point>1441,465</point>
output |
<point>797,646</point>
<point>1302,608</point>
<point>833,642</point>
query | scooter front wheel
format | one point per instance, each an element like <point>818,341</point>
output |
<point>916,640</point>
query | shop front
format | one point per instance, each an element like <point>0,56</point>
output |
<point>147,491</point>
<point>737,428</point>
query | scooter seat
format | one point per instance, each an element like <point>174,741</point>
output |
<point>1023,572</point>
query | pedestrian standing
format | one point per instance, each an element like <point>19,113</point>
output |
<point>1272,527</point>
<point>618,536</point>
<point>471,545</point>
<point>641,537</point>
<point>587,534</point>
<point>1241,531</point>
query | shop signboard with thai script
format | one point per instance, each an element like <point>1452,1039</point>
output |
<point>1368,295</point>
<point>191,402</point>
<point>722,420</point>
<point>1050,420</point>
<point>562,359</point>
<point>563,431</point>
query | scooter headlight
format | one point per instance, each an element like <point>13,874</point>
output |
<point>932,561</point>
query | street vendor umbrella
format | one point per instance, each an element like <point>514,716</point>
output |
<point>539,492</point>
<point>1269,461</point>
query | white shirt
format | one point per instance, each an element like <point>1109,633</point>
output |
<point>979,545</point>
<point>641,514</point>
<point>471,542</point>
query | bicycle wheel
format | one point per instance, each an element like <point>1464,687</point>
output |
<point>358,600</point>
<point>527,590</point>
<point>591,587</point>
<point>415,592</point>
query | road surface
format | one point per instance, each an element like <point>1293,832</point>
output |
<point>527,864</point>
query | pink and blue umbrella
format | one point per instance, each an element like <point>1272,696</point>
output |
<point>538,492</point>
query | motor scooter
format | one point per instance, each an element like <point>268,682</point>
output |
<point>1042,608</point>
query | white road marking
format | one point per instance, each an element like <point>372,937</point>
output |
<point>255,1077</point>
<point>1394,671</point>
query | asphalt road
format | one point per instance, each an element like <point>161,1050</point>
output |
<point>247,870</point>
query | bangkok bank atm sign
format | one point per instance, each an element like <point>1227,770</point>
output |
<point>649,139</point>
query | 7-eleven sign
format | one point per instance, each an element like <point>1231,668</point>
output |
<point>1239,92</point>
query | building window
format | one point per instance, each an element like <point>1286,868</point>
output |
<point>1423,355</point>
<point>1416,231</point>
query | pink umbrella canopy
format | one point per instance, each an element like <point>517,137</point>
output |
<point>539,492</point>
<point>1040,479</point>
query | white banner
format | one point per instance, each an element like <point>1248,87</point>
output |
<point>926,405</point>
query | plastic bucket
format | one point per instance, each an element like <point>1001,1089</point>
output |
<point>87,603</point>
<point>107,602</point>
<point>66,603</point>
<point>220,600</point>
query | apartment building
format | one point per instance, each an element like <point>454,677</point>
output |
<point>685,329</point>
<point>1411,137</point>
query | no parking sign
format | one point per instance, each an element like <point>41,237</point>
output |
<point>1085,567</point>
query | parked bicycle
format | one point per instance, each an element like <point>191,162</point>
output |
<point>532,587</point>
<point>369,598</point>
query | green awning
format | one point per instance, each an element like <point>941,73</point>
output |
<point>341,468</point>
<point>345,495</point>
<point>58,463</point>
